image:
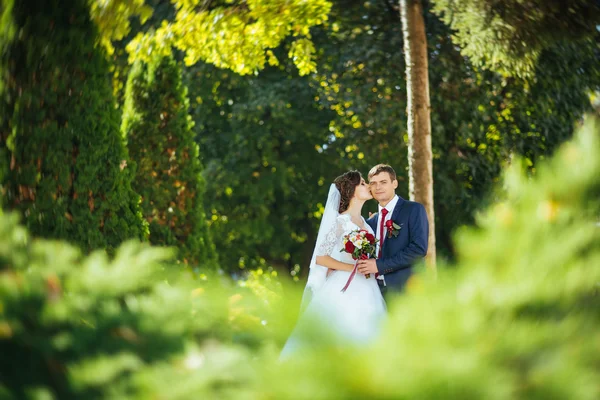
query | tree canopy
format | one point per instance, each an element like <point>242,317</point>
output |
<point>290,136</point>
<point>509,36</point>
<point>239,35</point>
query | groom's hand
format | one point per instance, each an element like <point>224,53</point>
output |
<point>367,266</point>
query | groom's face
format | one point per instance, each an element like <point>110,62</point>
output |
<point>383,188</point>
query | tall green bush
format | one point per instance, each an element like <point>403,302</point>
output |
<point>161,141</point>
<point>94,327</point>
<point>65,162</point>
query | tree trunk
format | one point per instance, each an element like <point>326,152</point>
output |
<point>419,123</point>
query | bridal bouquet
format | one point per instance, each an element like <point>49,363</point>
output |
<point>361,245</point>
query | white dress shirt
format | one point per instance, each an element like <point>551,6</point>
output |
<point>390,208</point>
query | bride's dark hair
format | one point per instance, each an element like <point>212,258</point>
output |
<point>346,184</point>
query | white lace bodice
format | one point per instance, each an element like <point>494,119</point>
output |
<point>332,244</point>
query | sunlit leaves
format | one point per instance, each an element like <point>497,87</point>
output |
<point>112,18</point>
<point>237,35</point>
<point>302,52</point>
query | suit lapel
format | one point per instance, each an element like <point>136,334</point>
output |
<point>398,207</point>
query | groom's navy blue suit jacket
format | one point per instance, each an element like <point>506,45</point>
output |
<point>400,253</point>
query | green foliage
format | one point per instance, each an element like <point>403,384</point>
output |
<point>129,327</point>
<point>7,32</point>
<point>264,175</point>
<point>289,136</point>
<point>120,66</point>
<point>63,155</point>
<point>112,17</point>
<point>236,35</point>
<point>517,320</point>
<point>161,141</point>
<point>479,119</point>
<point>509,36</point>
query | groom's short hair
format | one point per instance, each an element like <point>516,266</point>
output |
<point>379,168</point>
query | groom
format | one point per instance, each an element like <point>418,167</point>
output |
<point>402,230</point>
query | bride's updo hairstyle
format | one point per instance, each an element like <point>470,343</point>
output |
<point>346,184</point>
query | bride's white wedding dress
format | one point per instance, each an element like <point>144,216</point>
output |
<point>353,316</point>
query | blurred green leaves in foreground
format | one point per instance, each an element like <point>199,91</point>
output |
<point>518,318</point>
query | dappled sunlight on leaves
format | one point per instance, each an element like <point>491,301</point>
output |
<point>237,36</point>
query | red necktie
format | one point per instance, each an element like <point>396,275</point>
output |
<point>384,213</point>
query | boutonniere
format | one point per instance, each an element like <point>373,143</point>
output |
<point>393,229</point>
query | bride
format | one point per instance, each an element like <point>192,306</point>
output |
<point>352,316</point>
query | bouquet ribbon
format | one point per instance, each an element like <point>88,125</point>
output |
<point>351,277</point>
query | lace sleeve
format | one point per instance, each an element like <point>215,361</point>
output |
<point>328,245</point>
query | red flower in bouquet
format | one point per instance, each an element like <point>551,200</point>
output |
<point>361,245</point>
<point>349,247</point>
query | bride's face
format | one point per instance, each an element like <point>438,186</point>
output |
<point>362,191</point>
